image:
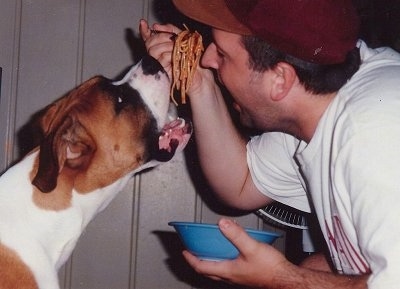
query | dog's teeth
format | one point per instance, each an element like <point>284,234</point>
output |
<point>164,134</point>
<point>119,100</point>
<point>182,120</point>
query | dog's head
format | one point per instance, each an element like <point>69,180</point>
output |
<point>103,130</point>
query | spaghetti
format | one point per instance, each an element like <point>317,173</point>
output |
<point>186,55</point>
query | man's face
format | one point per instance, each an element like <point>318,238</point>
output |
<point>249,88</point>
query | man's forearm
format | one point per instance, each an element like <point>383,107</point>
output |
<point>303,278</point>
<point>221,149</point>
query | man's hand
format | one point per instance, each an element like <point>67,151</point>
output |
<point>257,264</point>
<point>262,266</point>
<point>159,45</point>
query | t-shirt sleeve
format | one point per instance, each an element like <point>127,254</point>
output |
<point>274,171</point>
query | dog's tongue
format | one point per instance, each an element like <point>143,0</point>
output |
<point>175,136</point>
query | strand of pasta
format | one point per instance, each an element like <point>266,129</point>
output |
<point>186,55</point>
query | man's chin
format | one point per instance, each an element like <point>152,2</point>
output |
<point>248,127</point>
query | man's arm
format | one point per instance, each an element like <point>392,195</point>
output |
<point>221,148</point>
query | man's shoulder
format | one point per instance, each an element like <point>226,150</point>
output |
<point>377,77</point>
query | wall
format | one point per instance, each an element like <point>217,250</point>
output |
<point>49,46</point>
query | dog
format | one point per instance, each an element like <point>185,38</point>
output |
<point>95,139</point>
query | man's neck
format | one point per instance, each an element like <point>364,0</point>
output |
<point>310,113</point>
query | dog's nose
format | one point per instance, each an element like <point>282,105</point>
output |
<point>151,66</point>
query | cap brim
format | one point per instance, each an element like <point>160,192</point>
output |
<point>214,13</point>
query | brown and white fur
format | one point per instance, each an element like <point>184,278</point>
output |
<point>95,138</point>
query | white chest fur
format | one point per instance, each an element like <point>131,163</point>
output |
<point>44,239</point>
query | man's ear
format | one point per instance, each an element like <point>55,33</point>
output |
<point>284,77</point>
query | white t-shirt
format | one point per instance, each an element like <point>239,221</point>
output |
<point>349,171</point>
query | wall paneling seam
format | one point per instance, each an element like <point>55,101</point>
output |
<point>81,42</point>
<point>11,96</point>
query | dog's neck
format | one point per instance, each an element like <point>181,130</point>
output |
<point>59,218</point>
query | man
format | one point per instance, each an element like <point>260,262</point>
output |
<point>330,110</point>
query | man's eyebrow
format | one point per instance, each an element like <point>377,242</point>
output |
<point>219,48</point>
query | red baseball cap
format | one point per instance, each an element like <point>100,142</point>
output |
<point>317,31</point>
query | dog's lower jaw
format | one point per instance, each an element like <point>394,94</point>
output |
<point>173,138</point>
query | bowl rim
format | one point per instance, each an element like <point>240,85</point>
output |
<point>212,226</point>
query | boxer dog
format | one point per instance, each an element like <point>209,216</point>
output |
<point>95,139</point>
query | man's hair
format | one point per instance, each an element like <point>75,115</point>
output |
<point>316,78</point>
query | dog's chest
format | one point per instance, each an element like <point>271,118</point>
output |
<point>31,230</point>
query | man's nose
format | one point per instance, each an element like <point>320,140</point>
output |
<point>210,57</point>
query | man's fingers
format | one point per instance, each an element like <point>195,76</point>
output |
<point>166,28</point>
<point>144,29</point>
<point>238,236</point>
<point>212,269</point>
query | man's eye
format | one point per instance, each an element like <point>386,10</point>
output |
<point>220,54</point>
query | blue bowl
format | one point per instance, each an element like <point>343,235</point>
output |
<point>208,243</point>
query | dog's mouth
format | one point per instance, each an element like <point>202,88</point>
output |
<point>173,138</point>
<point>149,79</point>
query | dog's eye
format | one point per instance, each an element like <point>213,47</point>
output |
<point>124,96</point>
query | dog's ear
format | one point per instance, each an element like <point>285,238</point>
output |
<point>65,143</point>
<point>49,163</point>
